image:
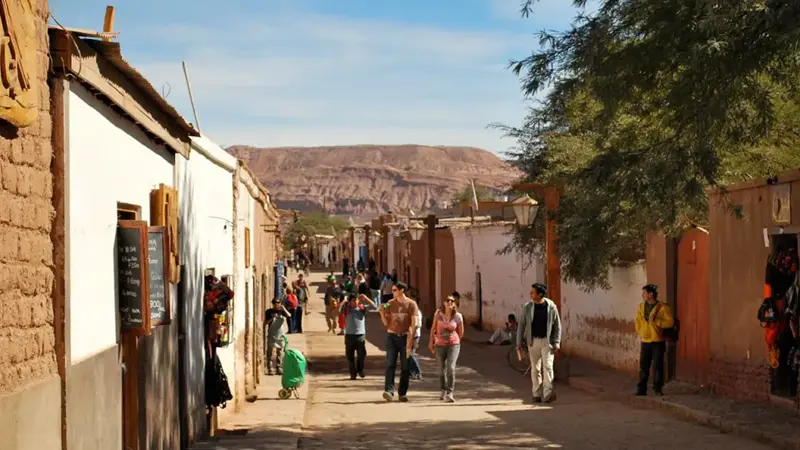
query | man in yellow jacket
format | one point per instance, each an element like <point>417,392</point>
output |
<point>651,320</point>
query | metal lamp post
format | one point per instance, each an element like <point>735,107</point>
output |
<point>416,230</point>
<point>525,209</point>
<point>552,197</point>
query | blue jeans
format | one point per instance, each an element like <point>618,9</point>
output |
<point>396,347</point>
<point>376,297</point>
<point>413,362</point>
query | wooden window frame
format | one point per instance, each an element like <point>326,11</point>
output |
<point>165,250</point>
<point>130,208</point>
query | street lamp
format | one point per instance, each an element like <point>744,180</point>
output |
<point>416,230</point>
<point>525,208</point>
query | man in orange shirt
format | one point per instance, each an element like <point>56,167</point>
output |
<point>399,316</point>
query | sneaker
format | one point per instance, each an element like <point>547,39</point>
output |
<point>416,377</point>
<point>550,398</point>
<point>352,377</point>
<point>404,399</point>
<point>443,395</point>
<point>537,399</point>
<point>388,396</point>
<point>361,374</point>
<point>449,398</point>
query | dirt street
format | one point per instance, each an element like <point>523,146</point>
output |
<point>492,409</point>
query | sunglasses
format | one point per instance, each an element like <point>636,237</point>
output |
<point>450,300</point>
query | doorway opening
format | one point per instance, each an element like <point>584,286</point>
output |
<point>479,300</point>
<point>781,273</point>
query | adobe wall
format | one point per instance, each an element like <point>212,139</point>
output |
<point>30,387</point>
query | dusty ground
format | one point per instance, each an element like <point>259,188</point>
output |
<point>491,412</point>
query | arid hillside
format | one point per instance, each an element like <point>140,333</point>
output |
<point>363,180</point>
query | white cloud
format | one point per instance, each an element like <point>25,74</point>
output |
<point>310,79</point>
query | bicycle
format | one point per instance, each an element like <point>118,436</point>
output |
<point>523,366</point>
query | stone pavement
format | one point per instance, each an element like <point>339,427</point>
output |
<point>492,409</point>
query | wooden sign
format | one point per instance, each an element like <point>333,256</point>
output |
<point>159,276</point>
<point>132,276</point>
<point>164,213</point>
<point>781,204</point>
<point>19,68</point>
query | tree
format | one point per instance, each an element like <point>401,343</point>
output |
<point>483,193</point>
<point>307,225</point>
<point>649,103</point>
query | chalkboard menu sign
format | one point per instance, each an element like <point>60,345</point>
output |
<point>132,281</point>
<point>159,283</point>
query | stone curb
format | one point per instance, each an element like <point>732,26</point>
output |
<point>685,412</point>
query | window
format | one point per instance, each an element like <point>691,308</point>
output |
<point>128,211</point>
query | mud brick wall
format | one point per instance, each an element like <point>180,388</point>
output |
<point>27,337</point>
<point>742,380</point>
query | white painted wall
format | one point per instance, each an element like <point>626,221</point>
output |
<point>205,194</point>
<point>109,160</point>
<point>506,279</point>
<point>599,325</point>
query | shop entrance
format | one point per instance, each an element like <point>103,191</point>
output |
<point>781,273</point>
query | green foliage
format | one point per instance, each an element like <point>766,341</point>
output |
<point>307,225</point>
<point>483,193</point>
<point>648,103</point>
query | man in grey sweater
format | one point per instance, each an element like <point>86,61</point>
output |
<point>540,329</point>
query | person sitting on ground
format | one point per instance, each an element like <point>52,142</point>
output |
<point>504,336</point>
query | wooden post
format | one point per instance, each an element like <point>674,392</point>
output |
<point>551,202</point>
<point>108,20</point>
<point>366,244</point>
<point>352,255</point>
<point>431,222</point>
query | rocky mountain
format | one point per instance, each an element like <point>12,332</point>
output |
<point>364,180</point>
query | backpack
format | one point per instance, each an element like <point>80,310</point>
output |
<point>671,334</point>
<point>766,312</point>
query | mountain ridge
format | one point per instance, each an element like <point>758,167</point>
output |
<point>372,179</point>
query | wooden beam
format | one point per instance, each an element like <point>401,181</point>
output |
<point>108,21</point>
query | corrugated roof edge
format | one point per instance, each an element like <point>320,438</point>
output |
<point>112,51</point>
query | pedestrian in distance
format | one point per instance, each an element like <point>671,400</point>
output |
<point>652,318</point>
<point>399,316</point>
<point>355,311</point>
<point>540,330</point>
<point>445,343</point>
<point>292,304</point>
<point>332,299</point>
<point>274,320</point>
<point>415,372</point>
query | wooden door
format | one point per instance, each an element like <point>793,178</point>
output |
<point>693,347</point>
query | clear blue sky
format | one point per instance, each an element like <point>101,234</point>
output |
<point>316,72</point>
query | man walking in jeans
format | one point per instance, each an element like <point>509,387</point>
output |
<point>651,320</point>
<point>355,332</point>
<point>399,316</point>
<point>540,328</point>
